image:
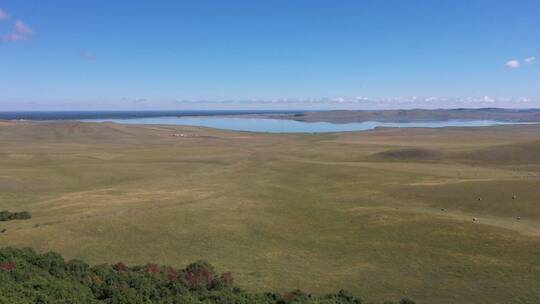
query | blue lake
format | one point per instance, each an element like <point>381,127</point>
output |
<point>254,124</point>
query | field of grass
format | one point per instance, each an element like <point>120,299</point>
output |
<point>385,213</point>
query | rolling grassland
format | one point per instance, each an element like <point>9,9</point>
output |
<point>384,213</point>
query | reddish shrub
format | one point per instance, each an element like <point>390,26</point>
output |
<point>8,266</point>
<point>199,274</point>
<point>120,267</point>
<point>152,268</point>
<point>206,275</point>
<point>191,279</point>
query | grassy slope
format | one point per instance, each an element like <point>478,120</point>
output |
<point>317,212</point>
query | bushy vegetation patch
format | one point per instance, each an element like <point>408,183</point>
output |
<point>9,216</point>
<point>29,277</point>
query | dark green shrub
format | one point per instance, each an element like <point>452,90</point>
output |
<point>9,216</point>
<point>406,301</point>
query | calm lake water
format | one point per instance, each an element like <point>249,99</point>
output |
<point>290,126</point>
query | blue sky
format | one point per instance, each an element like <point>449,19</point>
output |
<point>268,54</point>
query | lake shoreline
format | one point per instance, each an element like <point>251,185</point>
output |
<point>261,124</point>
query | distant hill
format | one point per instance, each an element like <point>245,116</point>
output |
<point>415,115</point>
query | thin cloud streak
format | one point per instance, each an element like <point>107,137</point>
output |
<point>529,60</point>
<point>21,32</point>
<point>4,16</point>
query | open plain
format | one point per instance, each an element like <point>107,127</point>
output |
<point>441,215</point>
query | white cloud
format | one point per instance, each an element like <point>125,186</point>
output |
<point>512,64</point>
<point>529,60</point>
<point>4,16</point>
<point>361,99</point>
<point>488,99</point>
<point>21,32</point>
<point>339,99</point>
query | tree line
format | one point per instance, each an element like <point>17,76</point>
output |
<point>30,277</point>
